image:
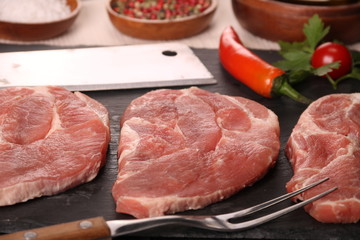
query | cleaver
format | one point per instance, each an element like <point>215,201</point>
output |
<point>105,68</point>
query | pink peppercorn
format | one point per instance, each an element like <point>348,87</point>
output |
<point>160,9</point>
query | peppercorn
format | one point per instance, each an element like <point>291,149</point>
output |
<point>160,9</point>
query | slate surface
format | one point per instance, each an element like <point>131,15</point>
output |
<point>94,198</point>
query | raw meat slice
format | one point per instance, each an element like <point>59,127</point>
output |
<point>326,143</point>
<point>50,140</point>
<point>185,149</point>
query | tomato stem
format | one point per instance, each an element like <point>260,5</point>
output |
<point>332,81</point>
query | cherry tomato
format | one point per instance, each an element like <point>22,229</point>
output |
<point>330,52</point>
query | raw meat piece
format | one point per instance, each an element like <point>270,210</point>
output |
<point>185,149</point>
<point>50,140</point>
<point>326,143</point>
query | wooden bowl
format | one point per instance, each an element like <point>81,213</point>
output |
<point>275,20</point>
<point>39,31</point>
<point>162,29</point>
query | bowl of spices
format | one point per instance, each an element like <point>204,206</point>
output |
<point>33,20</point>
<point>284,19</point>
<point>161,19</point>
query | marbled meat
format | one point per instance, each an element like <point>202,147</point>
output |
<point>185,149</point>
<point>50,140</point>
<point>326,143</point>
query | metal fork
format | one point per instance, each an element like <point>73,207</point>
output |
<point>98,228</point>
<point>220,222</point>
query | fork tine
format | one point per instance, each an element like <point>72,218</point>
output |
<point>271,216</point>
<point>214,222</point>
<point>269,203</point>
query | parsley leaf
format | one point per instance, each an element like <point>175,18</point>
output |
<point>355,74</point>
<point>321,71</point>
<point>315,31</point>
<point>286,47</point>
<point>297,55</point>
<point>356,59</point>
<point>294,60</point>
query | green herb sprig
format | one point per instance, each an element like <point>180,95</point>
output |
<point>297,55</point>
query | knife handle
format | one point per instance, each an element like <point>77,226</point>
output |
<point>91,228</point>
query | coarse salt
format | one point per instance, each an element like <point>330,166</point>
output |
<point>33,11</point>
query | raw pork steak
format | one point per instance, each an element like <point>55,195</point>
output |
<point>326,143</point>
<point>184,149</point>
<point>50,140</point>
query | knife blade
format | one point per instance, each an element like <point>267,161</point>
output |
<point>105,68</point>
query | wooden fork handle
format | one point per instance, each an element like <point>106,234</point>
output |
<point>91,228</point>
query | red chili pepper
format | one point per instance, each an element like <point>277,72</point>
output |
<point>262,77</point>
